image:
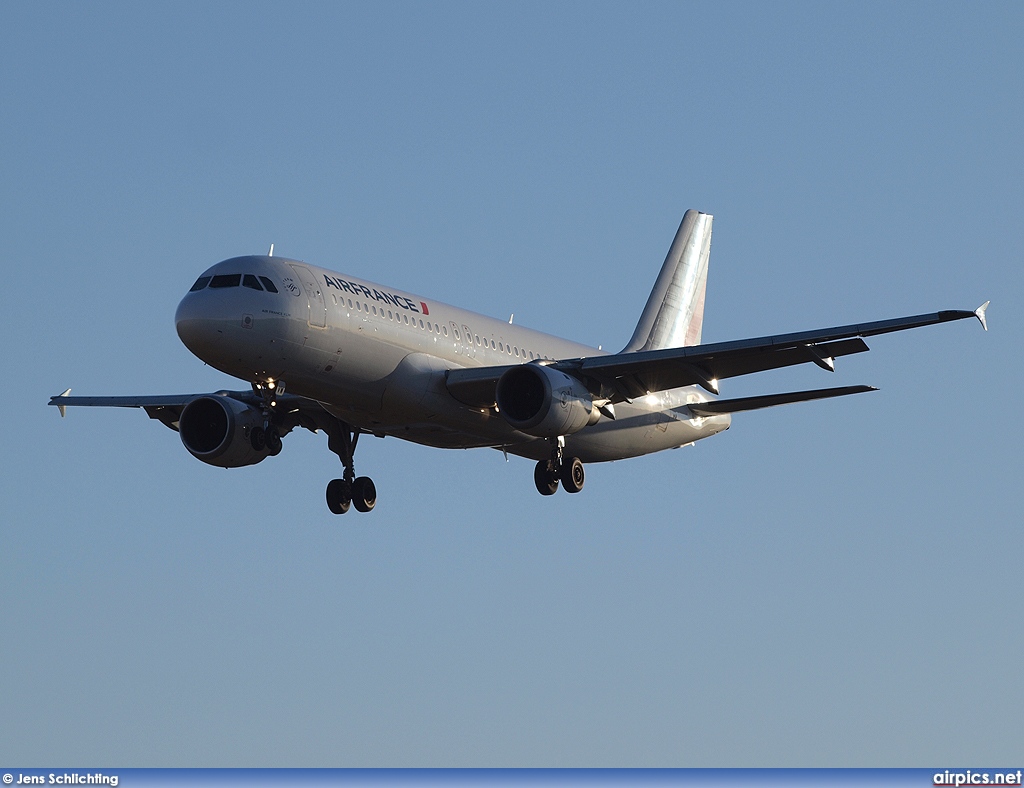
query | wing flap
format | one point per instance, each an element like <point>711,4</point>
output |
<point>636,377</point>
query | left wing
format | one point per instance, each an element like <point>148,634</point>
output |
<point>625,376</point>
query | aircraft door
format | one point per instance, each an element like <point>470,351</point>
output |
<point>460,345</point>
<point>467,342</point>
<point>315,294</point>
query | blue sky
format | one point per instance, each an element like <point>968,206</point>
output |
<point>835,583</point>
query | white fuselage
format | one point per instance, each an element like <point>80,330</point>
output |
<point>376,358</point>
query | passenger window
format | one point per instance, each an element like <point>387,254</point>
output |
<point>516,351</point>
<point>457,333</point>
<point>444,330</point>
<point>226,280</point>
<point>421,324</point>
<point>268,284</point>
<point>390,317</point>
<point>429,328</point>
<point>374,311</point>
<point>201,282</point>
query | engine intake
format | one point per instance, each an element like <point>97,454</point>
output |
<point>541,401</point>
<point>217,430</point>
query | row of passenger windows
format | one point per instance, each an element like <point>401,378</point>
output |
<point>251,281</point>
<point>234,280</point>
<point>434,328</point>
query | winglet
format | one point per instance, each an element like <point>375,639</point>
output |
<point>63,408</point>
<point>980,314</point>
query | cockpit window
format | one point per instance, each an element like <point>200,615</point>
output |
<point>201,282</point>
<point>268,284</point>
<point>226,280</point>
<point>251,281</point>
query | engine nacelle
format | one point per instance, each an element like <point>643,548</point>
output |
<point>541,401</point>
<point>218,430</point>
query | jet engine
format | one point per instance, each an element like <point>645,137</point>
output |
<point>541,401</point>
<point>219,431</point>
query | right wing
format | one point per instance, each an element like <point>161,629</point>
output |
<point>166,408</point>
<point>293,410</point>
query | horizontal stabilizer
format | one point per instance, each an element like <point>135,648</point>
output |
<point>718,407</point>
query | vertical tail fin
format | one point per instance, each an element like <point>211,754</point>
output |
<point>674,313</point>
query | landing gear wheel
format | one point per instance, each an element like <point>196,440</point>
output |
<point>359,490</point>
<point>572,475</point>
<point>364,494</point>
<point>273,442</point>
<point>258,438</point>
<point>339,496</point>
<point>545,478</point>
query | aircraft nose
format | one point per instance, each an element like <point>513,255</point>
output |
<point>197,328</point>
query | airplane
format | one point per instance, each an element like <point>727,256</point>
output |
<point>336,354</point>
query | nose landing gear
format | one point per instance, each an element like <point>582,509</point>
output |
<point>350,489</point>
<point>267,437</point>
<point>568,470</point>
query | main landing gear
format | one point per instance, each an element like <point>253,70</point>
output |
<point>568,470</point>
<point>350,489</point>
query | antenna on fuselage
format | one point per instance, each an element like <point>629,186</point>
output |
<point>510,318</point>
<point>271,252</point>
